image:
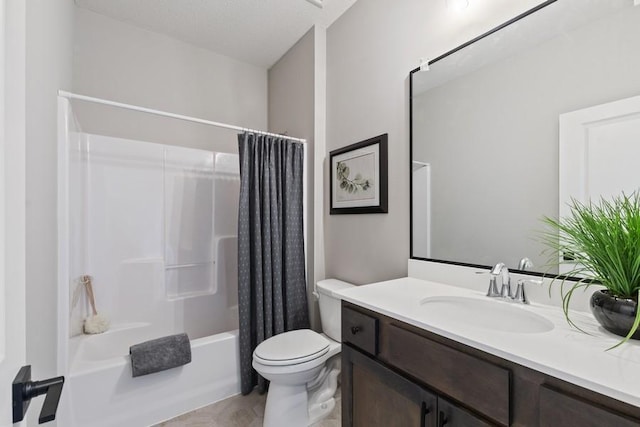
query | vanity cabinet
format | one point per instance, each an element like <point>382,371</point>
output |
<point>381,397</point>
<point>395,374</point>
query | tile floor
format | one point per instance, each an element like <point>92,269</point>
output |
<point>240,411</point>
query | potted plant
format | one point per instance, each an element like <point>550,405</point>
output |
<point>601,243</point>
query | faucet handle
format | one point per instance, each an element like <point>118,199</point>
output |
<point>505,291</point>
<point>520,291</point>
<point>493,287</point>
<point>520,295</point>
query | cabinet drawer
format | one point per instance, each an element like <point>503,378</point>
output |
<point>360,330</point>
<point>482,386</point>
<point>560,409</point>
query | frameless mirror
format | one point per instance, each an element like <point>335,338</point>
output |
<point>491,122</point>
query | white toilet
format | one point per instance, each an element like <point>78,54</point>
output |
<point>303,366</point>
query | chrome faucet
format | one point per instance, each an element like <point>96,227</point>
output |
<point>505,291</point>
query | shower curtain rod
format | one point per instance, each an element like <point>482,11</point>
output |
<point>70,95</point>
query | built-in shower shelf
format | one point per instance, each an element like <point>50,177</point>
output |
<point>145,260</point>
<point>190,280</point>
<point>189,295</point>
<point>195,264</point>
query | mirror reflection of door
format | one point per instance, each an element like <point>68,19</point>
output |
<point>421,209</point>
<point>599,152</point>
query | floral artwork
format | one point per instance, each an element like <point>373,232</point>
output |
<point>352,183</point>
<point>359,177</point>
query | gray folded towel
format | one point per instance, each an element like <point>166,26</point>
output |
<point>160,354</point>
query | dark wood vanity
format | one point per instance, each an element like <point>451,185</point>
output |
<point>395,374</point>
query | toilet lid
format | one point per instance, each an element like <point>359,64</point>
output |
<point>292,347</point>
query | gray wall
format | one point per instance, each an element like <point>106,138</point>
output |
<point>370,51</point>
<point>501,167</point>
<point>49,35</point>
<point>291,110</point>
<point>120,62</point>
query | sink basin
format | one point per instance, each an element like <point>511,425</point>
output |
<point>486,314</point>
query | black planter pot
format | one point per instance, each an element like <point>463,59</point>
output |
<point>615,314</point>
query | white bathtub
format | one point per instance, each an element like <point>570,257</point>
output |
<point>100,392</point>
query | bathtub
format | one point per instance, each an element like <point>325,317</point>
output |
<point>100,392</point>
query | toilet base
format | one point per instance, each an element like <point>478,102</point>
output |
<point>319,411</point>
<point>298,405</point>
<point>286,402</point>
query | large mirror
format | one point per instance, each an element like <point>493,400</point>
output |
<point>507,128</point>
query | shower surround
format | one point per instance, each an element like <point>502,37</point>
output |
<point>155,226</point>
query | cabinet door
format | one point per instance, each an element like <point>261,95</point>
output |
<point>560,409</point>
<point>374,395</point>
<point>450,415</point>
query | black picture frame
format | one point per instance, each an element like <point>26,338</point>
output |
<point>372,156</point>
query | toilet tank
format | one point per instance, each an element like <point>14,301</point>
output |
<point>330,306</point>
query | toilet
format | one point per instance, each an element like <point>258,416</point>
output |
<point>303,366</point>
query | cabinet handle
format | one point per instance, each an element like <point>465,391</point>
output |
<point>426,411</point>
<point>355,329</point>
<point>443,419</point>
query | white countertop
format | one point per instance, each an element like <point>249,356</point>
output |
<point>564,352</point>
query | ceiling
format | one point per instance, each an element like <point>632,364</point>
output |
<point>255,31</point>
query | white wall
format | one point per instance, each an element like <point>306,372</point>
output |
<point>320,148</point>
<point>12,195</point>
<point>48,68</point>
<point>49,34</point>
<point>370,51</point>
<point>117,61</point>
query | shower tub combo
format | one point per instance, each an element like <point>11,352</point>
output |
<point>155,226</point>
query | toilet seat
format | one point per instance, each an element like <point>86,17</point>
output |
<point>291,348</point>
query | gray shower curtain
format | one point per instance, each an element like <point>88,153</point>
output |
<point>272,294</point>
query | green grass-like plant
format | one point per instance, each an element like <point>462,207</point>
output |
<point>603,240</point>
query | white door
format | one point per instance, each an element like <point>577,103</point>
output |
<point>421,209</point>
<point>599,153</point>
<point>12,201</point>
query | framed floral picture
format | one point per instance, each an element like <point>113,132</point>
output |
<point>358,177</point>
